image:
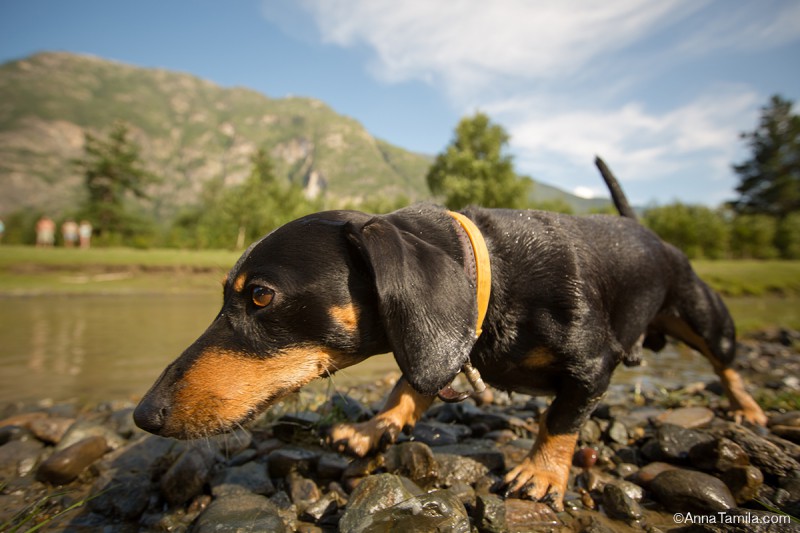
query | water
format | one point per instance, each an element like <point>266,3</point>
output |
<point>94,348</point>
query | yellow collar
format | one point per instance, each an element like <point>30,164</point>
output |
<point>483,269</point>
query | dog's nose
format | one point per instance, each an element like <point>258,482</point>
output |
<point>151,414</point>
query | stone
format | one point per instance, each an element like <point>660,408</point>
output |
<point>82,429</point>
<point>743,481</point>
<point>482,451</point>
<point>590,432</point>
<point>718,455</point>
<point>121,494</point>
<point>617,432</point>
<point>302,491</point>
<point>618,504</point>
<point>9,433</point>
<point>352,409</point>
<point>51,429</point>
<point>673,443</point>
<point>690,491</point>
<point>323,507</point>
<point>373,494</point>
<point>439,510</point>
<point>455,469</point>
<point>413,460</point>
<point>490,512</point>
<point>240,513</point>
<point>289,427</point>
<point>19,457</point>
<point>291,459</point>
<point>687,417</point>
<point>525,515</point>
<point>645,475</point>
<point>439,434</point>
<point>768,457</point>
<point>185,478</point>
<point>230,443</point>
<point>585,458</point>
<point>249,477</point>
<point>65,465</point>
<point>332,466</point>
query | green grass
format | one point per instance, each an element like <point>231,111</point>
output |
<point>760,294</point>
<point>751,277</point>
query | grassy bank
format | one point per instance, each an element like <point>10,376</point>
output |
<point>759,293</point>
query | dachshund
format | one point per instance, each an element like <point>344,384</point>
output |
<point>565,299</point>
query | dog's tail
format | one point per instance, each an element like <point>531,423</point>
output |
<point>619,198</point>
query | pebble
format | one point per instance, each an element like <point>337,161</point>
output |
<point>691,491</point>
<point>65,465</point>
<point>413,460</point>
<point>249,477</point>
<point>618,504</point>
<point>522,515</point>
<point>240,513</point>
<point>673,443</point>
<point>718,455</point>
<point>185,478</point>
<point>51,429</point>
<point>687,417</point>
<point>289,459</point>
<point>490,512</point>
<point>454,469</point>
<point>744,482</point>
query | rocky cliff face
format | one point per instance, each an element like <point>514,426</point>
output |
<point>190,131</point>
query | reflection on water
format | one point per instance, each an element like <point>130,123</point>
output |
<point>110,347</point>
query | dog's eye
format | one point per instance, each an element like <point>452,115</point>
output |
<point>262,296</point>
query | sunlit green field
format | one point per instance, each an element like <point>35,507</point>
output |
<point>759,293</point>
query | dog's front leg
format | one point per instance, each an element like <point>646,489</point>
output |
<point>544,473</point>
<point>403,408</point>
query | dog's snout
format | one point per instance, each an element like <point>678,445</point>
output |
<point>151,414</point>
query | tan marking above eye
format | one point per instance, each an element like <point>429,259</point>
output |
<point>238,283</point>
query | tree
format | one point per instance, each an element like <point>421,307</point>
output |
<point>474,170</point>
<point>113,172</point>
<point>770,179</point>
<point>698,231</point>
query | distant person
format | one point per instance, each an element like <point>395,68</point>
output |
<point>85,234</point>
<point>45,232</point>
<point>69,231</point>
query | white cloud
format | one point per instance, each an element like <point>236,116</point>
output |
<point>566,78</point>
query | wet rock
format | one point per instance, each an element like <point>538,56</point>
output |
<point>501,436</point>
<point>673,443</point>
<point>464,492</point>
<point>462,412</point>
<point>122,422</point>
<point>185,478</point>
<point>618,504</point>
<point>9,433</point>
<point>687,417</point>
<point>22,419</point>
<point>302,491</point>
<point>413,460</point>
<point>590,432</point>
<point>525,515</point>
<point>324,507</point>
<point>769,458</point>
<point>350,408</point>
<point>439,434</point>
<point>51,429</point>
<point>66,465</point>
<point>718,455</point>
<point>625,470</point>
<point>238,514</point>
<point>361,468</point>
<point>332,466</point>
<point>83,429</point>
<point>454,469</point>
<point>585,458</point>
<point>792,419</point>
<point>231,443</point>
<point>291,459</point>
<point>289,427</point>
<point>120,495</point>
<point>645,475</point>
<point>490,513</point>
<point>373,494</point>
<point>743,481</point>
<point>435,511</point>
<point>482,451</point>
<point>690,491</point>
<point>617,432</point>
<point>249,477</point>
<point>19,457</point>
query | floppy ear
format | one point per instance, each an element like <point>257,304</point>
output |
<point>426,303</point>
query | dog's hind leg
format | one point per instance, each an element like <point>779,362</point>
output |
<point>702,322</point>
<point>403,407</point>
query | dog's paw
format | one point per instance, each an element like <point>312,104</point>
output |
<point>753,415</point>
<point>364,438</point>
<point>538,480</point>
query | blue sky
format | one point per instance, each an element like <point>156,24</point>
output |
<point>661,90</point>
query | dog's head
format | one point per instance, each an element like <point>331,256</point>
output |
<point>317,295</point>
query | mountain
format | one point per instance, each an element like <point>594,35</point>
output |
<point>190,131</point>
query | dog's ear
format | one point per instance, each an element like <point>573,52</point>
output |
<point>426,302</point>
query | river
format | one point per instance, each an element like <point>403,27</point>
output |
<point>103,347</point>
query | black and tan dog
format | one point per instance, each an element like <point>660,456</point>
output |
<point>570,298</point>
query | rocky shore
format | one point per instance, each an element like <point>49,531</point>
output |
<point>647,460</point>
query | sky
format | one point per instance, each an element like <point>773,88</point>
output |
<point>660,89</point>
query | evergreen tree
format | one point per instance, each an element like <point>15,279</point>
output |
<point>474,170</point>
<point>112,174</point>
<point>770,179</point>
